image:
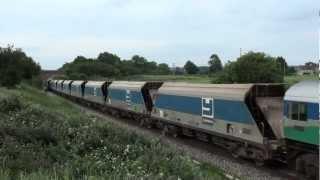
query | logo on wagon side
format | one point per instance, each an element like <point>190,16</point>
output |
<point>128,97</point>
<point>207,107</point>
<point>95,91</point>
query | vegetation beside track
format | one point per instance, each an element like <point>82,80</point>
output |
<point>46,137</point>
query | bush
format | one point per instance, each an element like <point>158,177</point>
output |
<point>77,76</point>
<point>111,66</point>
<point>15,66</point>
<point>10,78</point>
<point>251,68</point>
<point>10,104</point>
<point>36,82</point>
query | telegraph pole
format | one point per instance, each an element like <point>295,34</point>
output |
<point>174,69</point>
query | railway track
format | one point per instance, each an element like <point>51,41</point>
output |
<point>234,168</point>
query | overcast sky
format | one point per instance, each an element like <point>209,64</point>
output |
<point>170,31</point>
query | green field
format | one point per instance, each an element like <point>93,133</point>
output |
<point>172,78</point>
<point>296,78</point>
<point>206,79</point>
<point>46,137</point>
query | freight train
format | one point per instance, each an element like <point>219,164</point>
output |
<point>261,122</point>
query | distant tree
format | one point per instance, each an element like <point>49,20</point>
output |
<point>111,66</point>
<point>15,66</point>
<point>128,68</point>
<point>109,58</point>
<point>139,60</point>
<point>106,70</point>
<point>12,77</point>
<point>151,68</point>
<point>80,59</point>
<point>163,69</point>
<point>143,66</point>
<point>191,68</point>
<point>282,64</point>
<point>291,70</point>
<point>203,69</point>
<point>215,64</point>
<point>253,67</point>
<point>311,65</point>
<point>140,63</point>
<point>77,76</point>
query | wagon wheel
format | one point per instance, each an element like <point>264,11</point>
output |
<point>159,125</point>
<point>312,169</point>
<point>235,153</point>
<point>165,130</point>
<point>259,160</point>
<point>300,165</point>
<point>142,122</point>
<point>149,123</point>
<point>175,134</point>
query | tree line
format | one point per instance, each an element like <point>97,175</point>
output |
<point>110,65</point>
<point>253,67</point>
<point>16,66</point>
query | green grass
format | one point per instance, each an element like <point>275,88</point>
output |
<point>46,137</point>
<point>172,78</point>
<point>290,80</point>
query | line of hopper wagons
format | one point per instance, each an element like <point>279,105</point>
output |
<point>260,122</point>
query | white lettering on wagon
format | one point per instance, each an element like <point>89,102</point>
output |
<point>207,107</point>
<point>95,91</point>
<point>128,97</point>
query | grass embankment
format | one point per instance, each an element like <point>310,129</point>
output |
<point>46,137</point>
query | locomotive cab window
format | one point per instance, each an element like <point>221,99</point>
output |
<point>298,111</point>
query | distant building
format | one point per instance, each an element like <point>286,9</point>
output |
<point>308,69</point>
